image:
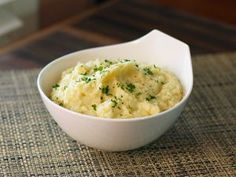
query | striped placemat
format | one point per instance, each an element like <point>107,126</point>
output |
<point>202,142</point>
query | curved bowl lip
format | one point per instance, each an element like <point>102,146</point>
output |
<point>133,119</point>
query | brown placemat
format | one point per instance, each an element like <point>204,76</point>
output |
<point>202,142</point>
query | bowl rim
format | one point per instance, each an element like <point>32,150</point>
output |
<point>87,116</point>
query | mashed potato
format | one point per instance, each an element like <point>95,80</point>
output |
<point>117,89</point>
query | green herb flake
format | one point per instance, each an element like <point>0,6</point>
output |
<point>94,107</point>
<point>109,62</point>
<point>150,97</point>
<point>61,104</point>
<point>105,90</point>
<point>84,74</point>
<point>139,93</point>
<point>147,71</point>
<point>124,60</point>
<point>130,87</point>
<point>55,86</point>
<point>98,68</point>
<point>120,85</point>
<point>114,103</point>
<point>86,79</point>
<point>65,87</point>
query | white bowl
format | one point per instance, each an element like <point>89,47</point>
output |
<point>121,134</point>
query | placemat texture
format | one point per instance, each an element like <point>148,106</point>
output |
<point>202,142</point>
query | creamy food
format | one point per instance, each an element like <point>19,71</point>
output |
<point>117,89</point>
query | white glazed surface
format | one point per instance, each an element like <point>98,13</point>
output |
<point>121,134</point>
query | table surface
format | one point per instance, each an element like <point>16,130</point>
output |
<point>201,143</point>
<point>114,22</point>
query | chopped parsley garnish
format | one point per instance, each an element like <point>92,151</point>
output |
<point>55,86</point>
<point>150,97</point>
<point>94,107</point>
<point>130,87</point>
<point>147,71</point>
<point>126,60</point>
<point>84,74</point>
<point>137,65</point>
<point>86,79</point>
<point>61,104</point>
<point>105,90</point>
<point>120,85</point>
<point>98,68</point>
<point>108,61</point>
<point>139,93</point>
<point>114,103</point>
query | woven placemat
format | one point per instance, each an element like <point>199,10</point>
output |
<point>202,142</point>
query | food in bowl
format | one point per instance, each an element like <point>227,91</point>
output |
<point>117,89</point>
<point>120,134</point>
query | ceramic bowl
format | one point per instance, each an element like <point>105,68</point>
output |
<point>121,134</point>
